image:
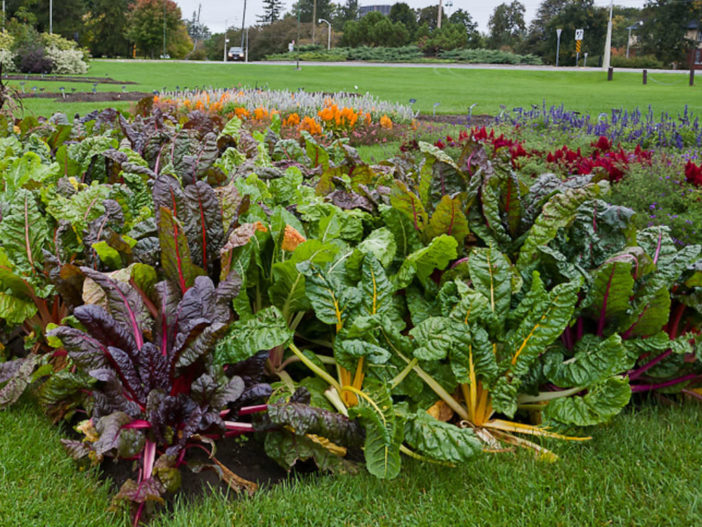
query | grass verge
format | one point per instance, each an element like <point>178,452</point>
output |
<point>641,470</point>
<point>453,89</point>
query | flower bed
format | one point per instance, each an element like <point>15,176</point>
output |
<point>334,115</point>
<point>177,279</point>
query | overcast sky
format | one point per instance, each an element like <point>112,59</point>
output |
<point>215,12</point>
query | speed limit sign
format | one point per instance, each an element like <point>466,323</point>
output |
<point>579,34</point>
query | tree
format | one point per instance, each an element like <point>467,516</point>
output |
<point>197,31</point>
<point>463,18</point>
<point>507,27</point>
<point>663,31</point>
<point>538,37</point>
<point>145,24</point>
<point>578,14</point>
<point>448,36</point>
<point>105,31</point>
<point>272,10</point>
<point>375,29</point>
<point>404,14</point>
<point>429,15</point>
<point>66,20</point>
<point>325,9</point>
<point>345,13</point>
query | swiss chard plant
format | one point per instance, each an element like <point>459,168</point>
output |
<point>142,358</point>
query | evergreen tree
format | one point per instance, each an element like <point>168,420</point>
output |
<point>272,10</point>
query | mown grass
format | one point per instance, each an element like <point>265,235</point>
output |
<point>454,89</point>
<point>641,470</point>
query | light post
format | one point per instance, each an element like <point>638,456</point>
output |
<point>608,40</point>
<point>51,15</point>
<point>558,43</point>
<point>328,31</point>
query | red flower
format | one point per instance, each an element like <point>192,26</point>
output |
<point>602,143</point>
<point>693,174</point>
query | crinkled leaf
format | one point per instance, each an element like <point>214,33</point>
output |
<point>601,402</point>
<point>594,360</point>
<point>439,440</point>
<point>557,213</point>
<point>264,331</point>
<point>423,262</point>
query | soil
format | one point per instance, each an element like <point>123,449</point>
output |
<point>64,78</point>
<point>247,459</point>
<point>100,96</point>
<point>460,119</point>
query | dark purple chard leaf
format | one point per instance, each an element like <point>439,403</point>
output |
<point>125,305</point>
<point>350,200</point>
<point>205,207</point>
<point>147,490</point>
<point>167,296</point>
<point>85,351</point>
<point>175,254</point>
<point>110,395</point>
<point>76,449</point>
<point>109,429</point>
<point>153,367</point>
<point>305,419</point>
<point>169,414</point>
<point>103,327</point>
<point>147,249</point>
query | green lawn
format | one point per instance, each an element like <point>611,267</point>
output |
<point>454,89</point>
<point>642,470</point>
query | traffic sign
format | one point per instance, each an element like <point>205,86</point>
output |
<point>577,46</point>
<point>579,34</point>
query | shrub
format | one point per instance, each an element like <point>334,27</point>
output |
<point>31,58</point>
<point>645,61</point>
<point>489,56</point>
<point>67,62</point>
<point>7,59</point>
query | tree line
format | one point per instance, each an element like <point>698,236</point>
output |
<point>128,27</point>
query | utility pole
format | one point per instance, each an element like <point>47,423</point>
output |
<point>608,40</point>
<point>438,16</point>
<point>226,40</point>
<point>163,56</point>
<point>243,23</point>
<point>314,17</point>
<point>51,15</point>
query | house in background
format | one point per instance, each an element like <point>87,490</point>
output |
<point>694,35</point>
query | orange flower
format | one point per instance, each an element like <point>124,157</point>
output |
<point>386,122</point>
<point>292,120</point>
<point>241,113</point>
<point>311,126</point>
<point>260,113</point>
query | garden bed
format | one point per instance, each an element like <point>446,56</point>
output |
<point>224,264</point>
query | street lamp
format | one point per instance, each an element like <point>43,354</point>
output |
<point>328,31</point>
<point>558,43</point>
<point>51,16</point>
<point>628,38</point>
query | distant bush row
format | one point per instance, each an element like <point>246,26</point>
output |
<point>404,54</point>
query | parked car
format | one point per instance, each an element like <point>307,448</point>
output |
<point>235,53</point>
